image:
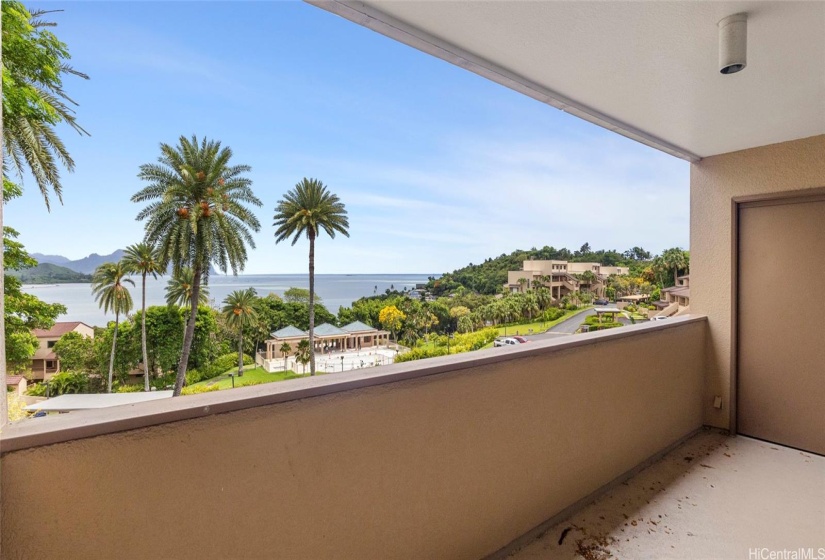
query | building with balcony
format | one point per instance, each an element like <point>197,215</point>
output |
<point>45,363</point>
<point>561,277</point>
<point>702,439</point>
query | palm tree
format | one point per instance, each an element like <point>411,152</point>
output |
<point>285,350</point>
<point>676,259</point>
<point>307,210</point>
<point>239,311</point>
<point>142,259</point>
<point>108,287</point>
<point>303,353</point>
<point>197,216</point>
<point>179,292</point>
<point>34,67</point>
<point>179,289</point>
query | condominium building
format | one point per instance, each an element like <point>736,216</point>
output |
<point>562,277</point>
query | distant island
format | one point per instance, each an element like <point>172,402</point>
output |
<point>48,273</point>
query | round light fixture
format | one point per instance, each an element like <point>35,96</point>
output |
<point>733,43</point>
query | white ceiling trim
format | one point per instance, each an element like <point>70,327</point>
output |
<point>385,24</point>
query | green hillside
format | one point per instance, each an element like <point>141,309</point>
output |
<point>47,273</point>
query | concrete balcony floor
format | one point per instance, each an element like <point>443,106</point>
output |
<point>714,496</point>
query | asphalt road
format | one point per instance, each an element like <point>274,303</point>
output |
<point>567,326</point>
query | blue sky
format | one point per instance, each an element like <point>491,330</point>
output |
<point>437,166</point>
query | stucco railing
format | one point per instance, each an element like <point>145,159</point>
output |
<point>446,458</point>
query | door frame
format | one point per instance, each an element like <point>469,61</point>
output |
<point>737,204</point>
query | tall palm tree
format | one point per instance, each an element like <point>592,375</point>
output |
<point>239,311</point>
<point>143,259</point>
<point>109,288</point>
<point>308,209</point>
<point>197,216</point>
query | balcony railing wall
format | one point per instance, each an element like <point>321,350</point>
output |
<point>465,455</point>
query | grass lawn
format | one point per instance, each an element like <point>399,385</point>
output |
<point>539,326</point>
<point>251,375</point>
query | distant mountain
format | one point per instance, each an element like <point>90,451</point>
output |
<point>86,265</point>
<point>53,259</point>
<point>48,273</point>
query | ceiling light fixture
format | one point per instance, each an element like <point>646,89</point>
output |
<point>733,43</point>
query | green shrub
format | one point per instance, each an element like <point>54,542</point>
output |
<point>464,342</point>
<point>228,361</point>
<point>218,367</point>
<point>199,389</point>
<point>552,314</point>
<point>571,307</point>
<point>165,381</point>
<point>421,353</point>
<point>36,390</point>
<point>603,326</point>
<point>129,388</point>
<point>594,320</point>
<point>62,383</point>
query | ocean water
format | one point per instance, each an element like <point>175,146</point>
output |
<point>336,290</point>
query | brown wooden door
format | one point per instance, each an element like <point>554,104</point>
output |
<point>781,322</point>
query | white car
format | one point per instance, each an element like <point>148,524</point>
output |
<point>505,342</point>
<point>658,318</point>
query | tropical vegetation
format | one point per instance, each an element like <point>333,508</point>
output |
<point>34,63</point>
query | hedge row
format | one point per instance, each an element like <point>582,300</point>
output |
<point>218,367</point>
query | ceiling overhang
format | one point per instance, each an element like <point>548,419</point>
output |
<point>644,70</point>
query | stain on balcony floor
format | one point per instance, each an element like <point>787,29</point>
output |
<point>712,497</point>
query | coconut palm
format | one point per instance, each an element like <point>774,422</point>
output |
<point>285,349</point>
<point>308,209</point>
<point>239,311</point>
<point>109,288</point>
<point>197,216</point>
<point>143,259</point>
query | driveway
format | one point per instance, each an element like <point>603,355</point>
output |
<point>568,326</point>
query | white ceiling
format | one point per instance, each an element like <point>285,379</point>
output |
<point>648,70</point>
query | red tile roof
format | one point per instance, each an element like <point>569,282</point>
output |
<point>58,330</point>
<point>13,379</point>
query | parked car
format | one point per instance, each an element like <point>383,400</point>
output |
<point>506,342</point>
<point>520,339</point>
<point>600,302</point>
<point>658,318</point>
